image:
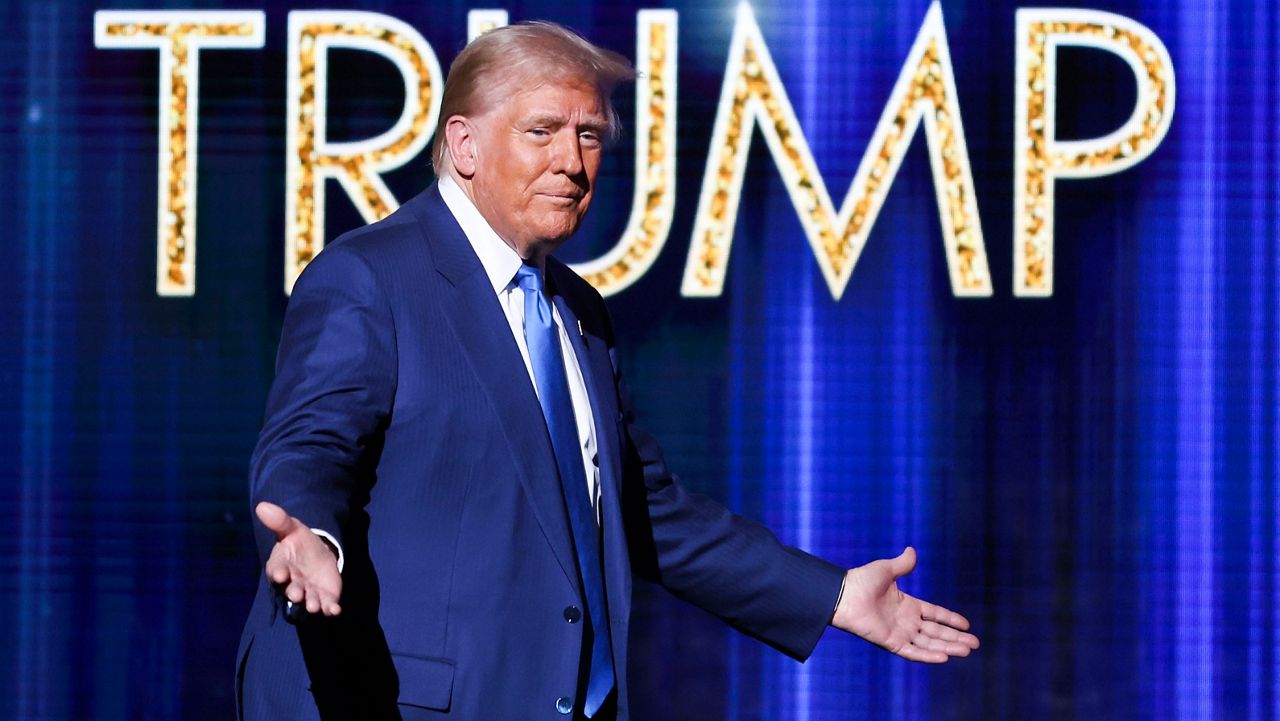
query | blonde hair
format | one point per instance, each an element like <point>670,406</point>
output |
<point>533,52</point>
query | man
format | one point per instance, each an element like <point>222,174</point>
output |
<point>448,479</point>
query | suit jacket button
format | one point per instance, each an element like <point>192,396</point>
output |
<point>572,614</point>
<point>564,705</point>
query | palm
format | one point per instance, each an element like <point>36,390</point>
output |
<point>301,564</point>
<point>874,608</point>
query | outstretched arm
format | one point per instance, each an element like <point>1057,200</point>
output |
<point>874,608</point>
<point>335,380</point>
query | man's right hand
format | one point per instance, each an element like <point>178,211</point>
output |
<point>301,563</point>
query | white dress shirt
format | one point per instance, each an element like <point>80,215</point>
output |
<point>500,263</point>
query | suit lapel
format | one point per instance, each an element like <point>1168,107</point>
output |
<point>477,320</point>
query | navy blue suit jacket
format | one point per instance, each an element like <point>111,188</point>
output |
<point>403,422</point>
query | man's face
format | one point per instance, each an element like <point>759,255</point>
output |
<point>536,158</point>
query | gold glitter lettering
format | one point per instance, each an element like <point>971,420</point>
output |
<point>655,160</point>
<point>753,94</point>
<point>179,35</point>
<point>1040,158</point>
<point>356,165</point>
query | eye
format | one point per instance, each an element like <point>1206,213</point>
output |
<point>589,138</point>
<point>540,133</point>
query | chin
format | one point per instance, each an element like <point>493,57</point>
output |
<point>547,242</point>
<point>555,235</point>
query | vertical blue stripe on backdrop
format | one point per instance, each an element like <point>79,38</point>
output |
<point>1261,401</point>
<point>740,341</point>
<point>39,687</point>
<point>803,454</point>
<point>804,346</point>
<point>1257,409</point>
<point>1268,685</point>
<point>1156,424</point>
<point>1197,240</point>
<point>1269,314</point>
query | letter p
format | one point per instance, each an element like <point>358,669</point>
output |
<point>1040,158</point>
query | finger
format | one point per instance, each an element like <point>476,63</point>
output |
<point>942,633</point>
<point>946,617</point>
<point>276,519</point>
<point>326,603</point>
<point>950,648</point>
<point>911,652</point>
<point>322,595</point>
<point>929,644</point>
<point>904,563</point>
<point>947,633</point>
<point>278,575</point>
<point>277,570</point>
<point>294,593</point>
<point>327,590</point>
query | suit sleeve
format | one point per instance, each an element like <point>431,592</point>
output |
<point>331,399</point>
<point>722,562</point>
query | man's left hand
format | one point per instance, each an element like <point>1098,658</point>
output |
<point>872,607</point>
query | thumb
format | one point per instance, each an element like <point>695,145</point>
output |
<point>904,563</point>
<point>276,520</point>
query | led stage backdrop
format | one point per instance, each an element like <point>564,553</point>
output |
<point>996,281</point>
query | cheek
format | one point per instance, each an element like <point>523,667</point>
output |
<point>524,166</point>
<point>591,164</point>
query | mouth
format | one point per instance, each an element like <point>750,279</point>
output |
<point>565,198</point>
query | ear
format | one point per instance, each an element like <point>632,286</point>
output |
<point>460,137</point>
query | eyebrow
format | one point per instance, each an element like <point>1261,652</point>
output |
<point>597,125</point>
<point>593,123</point>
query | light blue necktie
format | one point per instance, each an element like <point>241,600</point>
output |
<point>557,407</point>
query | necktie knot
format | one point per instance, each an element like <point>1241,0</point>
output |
<point>529,278</point>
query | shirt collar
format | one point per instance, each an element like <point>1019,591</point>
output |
<point>500,262</point>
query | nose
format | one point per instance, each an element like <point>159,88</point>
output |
<point>567,153</point>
